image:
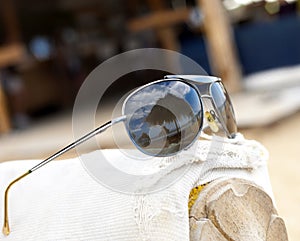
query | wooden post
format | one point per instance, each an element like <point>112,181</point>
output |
<point>4,116</point>
<point>166,35</point>
<point>221,47</point>
<point>10,21</point>
<point>10,54</point>
<point>159,19</point>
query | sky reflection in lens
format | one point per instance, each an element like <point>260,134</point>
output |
<point>163,118</point>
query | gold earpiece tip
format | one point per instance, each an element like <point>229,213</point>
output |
<point>6,230</point>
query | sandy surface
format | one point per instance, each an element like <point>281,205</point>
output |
<point>282,141</point>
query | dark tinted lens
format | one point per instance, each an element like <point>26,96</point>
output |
<point>222,102</point>
<point>164,117</point>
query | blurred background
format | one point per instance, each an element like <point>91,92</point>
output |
<point>47,49</point>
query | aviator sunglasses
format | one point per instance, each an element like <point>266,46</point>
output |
<point>164,117</point>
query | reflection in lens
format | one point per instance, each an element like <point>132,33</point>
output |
<point>222,101</point>
<point>164,118</point>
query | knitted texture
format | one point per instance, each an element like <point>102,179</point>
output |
<point>63,202</point>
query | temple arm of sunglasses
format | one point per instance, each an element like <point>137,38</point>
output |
<point>100,129</point>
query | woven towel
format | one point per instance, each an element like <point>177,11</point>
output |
<point>62,201</point>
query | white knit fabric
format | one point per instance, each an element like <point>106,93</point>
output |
<point>61,201</point>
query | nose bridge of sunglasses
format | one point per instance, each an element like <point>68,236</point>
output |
<point>200,79</point>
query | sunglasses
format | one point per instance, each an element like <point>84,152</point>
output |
<point>162,118</point>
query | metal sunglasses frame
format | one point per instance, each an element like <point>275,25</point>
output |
<point>194,80</point>
<point>199,80</point>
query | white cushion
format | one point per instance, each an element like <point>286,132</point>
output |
<point>62,201</point>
